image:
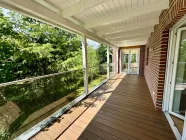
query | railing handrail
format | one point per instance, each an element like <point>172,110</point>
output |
<point>37,77</point>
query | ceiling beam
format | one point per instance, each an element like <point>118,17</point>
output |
<point>132,44</point>
<point>136,25</point>
<point>80,6</point>
<point>132,40</point>
<point>145,35</point>
<point>129,33</point>
<point>47,5</point>
<point>56,10</point>
<point>39,12</point>
<point>157,6</point>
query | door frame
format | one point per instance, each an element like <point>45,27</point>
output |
<point>172,52</point>
<point>129,62</point>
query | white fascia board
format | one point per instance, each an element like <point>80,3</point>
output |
<point>133,26</point>
<point>152,7</point>
<point>146,35</point>
<point>80,7</point>
<point>32,9</point>
<point>129,33</point>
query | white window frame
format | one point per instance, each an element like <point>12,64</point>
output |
<point>184,129</point>
<point>174,71</point>
<point>170,70</point>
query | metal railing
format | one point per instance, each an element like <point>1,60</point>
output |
<point>96,76</point>
<point>112,69</point>
<point>34,99</point>
<point>38,77</point>
<point>24,103</point>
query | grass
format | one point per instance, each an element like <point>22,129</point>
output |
<point>96,81</point>
<point>91,84</point>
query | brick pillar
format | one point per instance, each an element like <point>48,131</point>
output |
<point>142,60</point>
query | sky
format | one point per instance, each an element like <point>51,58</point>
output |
<point>5,11</point>
<point>93,43</point>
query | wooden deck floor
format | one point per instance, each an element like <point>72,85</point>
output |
<point>124,111</point>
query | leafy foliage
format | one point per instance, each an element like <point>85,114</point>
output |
<point>32,48</point>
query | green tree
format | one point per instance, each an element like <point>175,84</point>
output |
<point>32,48</point>
<point>102,54</point>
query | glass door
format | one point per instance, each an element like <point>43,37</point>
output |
<point>133,69</point>
<point>125,61</point>
<point>178,90</point>
<point>130,61</point>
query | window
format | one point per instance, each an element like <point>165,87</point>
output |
<point>147,57</point>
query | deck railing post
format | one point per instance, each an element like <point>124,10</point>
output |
<point>108,63</point>
<point>85,63</point>
<point>184,129</point>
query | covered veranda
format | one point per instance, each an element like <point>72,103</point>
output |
<point>122,108</point>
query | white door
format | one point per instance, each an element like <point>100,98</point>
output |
<point>130,61</point>
<point>174,98</point>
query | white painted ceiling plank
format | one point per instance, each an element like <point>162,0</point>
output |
<point>134,4</point>
<point>80,6</point>
<point>98,10</point>
<point>112,7</point>
<point>129,33</point>
<point>140,3</point>
<point>128,27</point>
<point>132,44</point>
<point>132,40</point>
<point>108,9</point>
<point>160,5</point>
<point>128,4</point>
<point>61,4</point>
<point>146,2</point>
<point>145,35</point>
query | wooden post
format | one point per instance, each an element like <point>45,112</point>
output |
<point>108,63</point>
<point>85,63</point>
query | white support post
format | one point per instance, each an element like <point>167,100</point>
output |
<point>184,129</point>
<point>108,63</point>
<point>120,62</point>
<point>85,63</point>
<point>129,61</point>
<point>117,60</point>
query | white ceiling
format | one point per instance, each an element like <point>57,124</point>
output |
<point>122,22</point>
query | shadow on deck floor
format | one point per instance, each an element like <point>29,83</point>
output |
<point>124,110</point>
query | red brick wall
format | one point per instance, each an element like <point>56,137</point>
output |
<point>142,60</point>
<point>158,44</point>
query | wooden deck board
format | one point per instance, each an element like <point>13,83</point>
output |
<point>124,111</point>
<point>139,126</point>
<point>138,118</point>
